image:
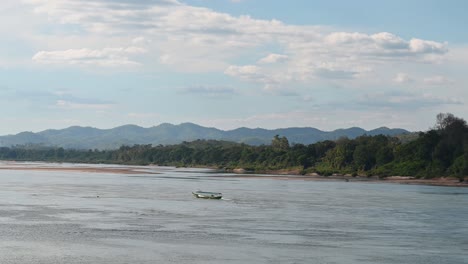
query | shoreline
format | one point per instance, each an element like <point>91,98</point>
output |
<point>236,173</point>
<point>442,181</point>
<point>90,170</point>
<point>80,167</point>
<point>295,175</point>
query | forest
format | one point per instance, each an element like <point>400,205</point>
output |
<point>441,151</point>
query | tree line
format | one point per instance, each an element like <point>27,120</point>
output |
<point>441,151</point>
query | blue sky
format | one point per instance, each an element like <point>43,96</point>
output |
<point>231,63</point>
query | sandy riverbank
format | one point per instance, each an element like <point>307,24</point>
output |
<point>74,168</point>
<point>277,175</point>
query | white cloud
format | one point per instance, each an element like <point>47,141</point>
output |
<point>339,38</point>
<point>195,39</point>
<point>185,38</point>
<point>437,80</point>
<point>255,74</point>
<point>273,58</point>
<point>63,104</point>
<point>384,44</point>
<point>140,41</point>
<point>389,41</point>
<point>406,100</point>
<point>427,47</point>
<point>248,72</point>
<point>403,78</point>
<point>104,57</point>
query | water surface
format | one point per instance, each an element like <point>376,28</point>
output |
<point>78,217</point>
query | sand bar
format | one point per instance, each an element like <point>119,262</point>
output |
<point>76,168</point>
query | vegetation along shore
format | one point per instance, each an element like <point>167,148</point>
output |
<point>438,156</point>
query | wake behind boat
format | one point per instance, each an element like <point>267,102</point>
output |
<point>207,195</point>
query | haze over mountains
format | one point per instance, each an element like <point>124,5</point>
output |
<point>93,138</point>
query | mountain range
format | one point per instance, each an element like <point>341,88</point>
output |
<point>77,137</point>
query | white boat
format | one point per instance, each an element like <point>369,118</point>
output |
<point>207,195</point>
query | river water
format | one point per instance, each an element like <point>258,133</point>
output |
<point>78,217</point>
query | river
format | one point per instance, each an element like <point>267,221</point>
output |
<point>81,217</point>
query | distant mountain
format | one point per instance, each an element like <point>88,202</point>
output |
<point>91,138</point>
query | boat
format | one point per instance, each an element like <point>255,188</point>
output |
<point>207,195</point>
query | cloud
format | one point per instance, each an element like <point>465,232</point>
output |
<point>389,41</point>
<point>403,78</point>
<point>385,44</point>
<point>247,72</point>
<point>181,38</point>
<point>334,74</point>
<point>63,104</point>
<point>437,80</point>
<point>59,99</point>
<point>140,40</point>
<point>210,91</point>
<point>268,56</point>
<point>405,100</point>
<point>183,35</point>
<point>273,58</point>
<point>55,99</point>
<point>255,74</point>
<point>109,57</point>
<point>427,47</point>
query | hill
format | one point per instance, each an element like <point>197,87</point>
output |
<point>77,137</point>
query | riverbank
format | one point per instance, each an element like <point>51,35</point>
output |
<point>295,174</point>
<point>287,174</point>
<point>37,166</point>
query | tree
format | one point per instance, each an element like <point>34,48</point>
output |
<point>280,143</point>
<point>341,155</point>
<point>453,133</point>
<point>460,167</point>
<point>445,120</point>
<point>384,155</point>
<point>361,157</point>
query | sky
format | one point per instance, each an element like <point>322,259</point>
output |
<point>231,63</point>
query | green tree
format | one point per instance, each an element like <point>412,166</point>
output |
<point>280,143</point>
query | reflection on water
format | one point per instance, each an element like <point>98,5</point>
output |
<point>73,217</point>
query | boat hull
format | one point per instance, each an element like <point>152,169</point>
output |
<point>207,195</point>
